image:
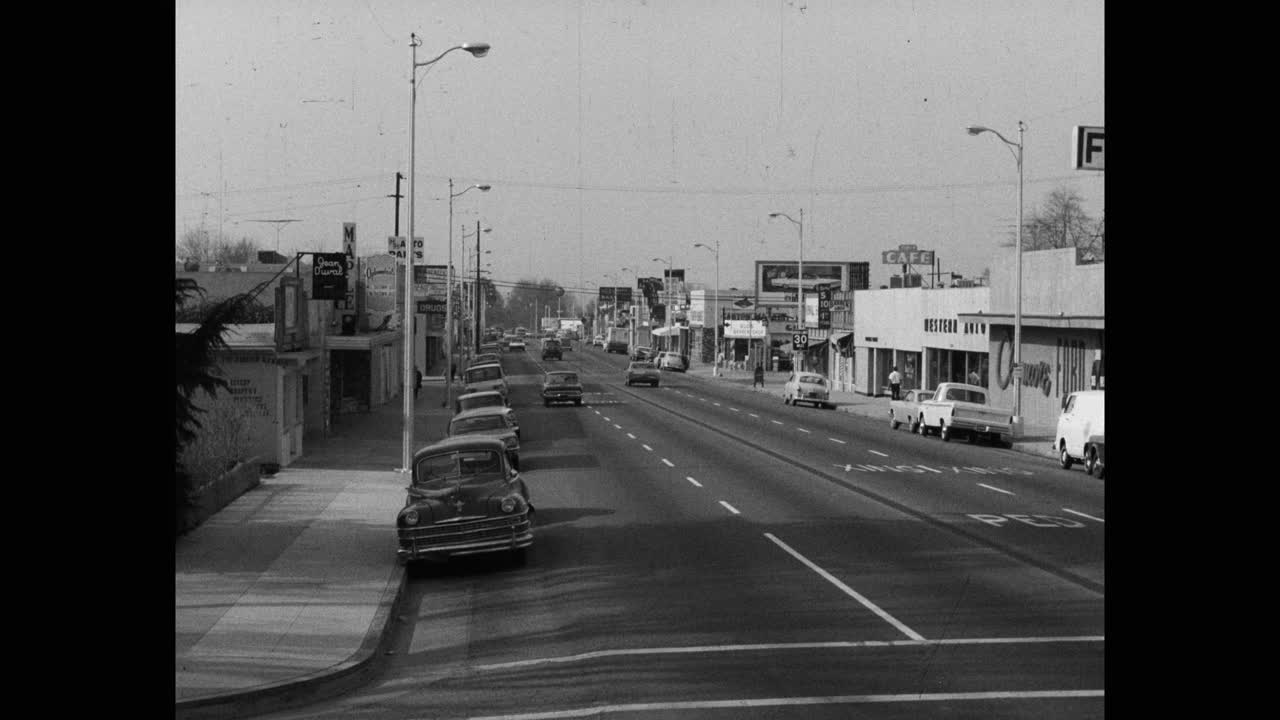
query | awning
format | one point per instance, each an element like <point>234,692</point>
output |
<point>838,335</point>
<point>662,331</point>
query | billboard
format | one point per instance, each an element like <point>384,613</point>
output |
<point>777,280</point>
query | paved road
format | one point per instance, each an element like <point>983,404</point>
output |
<point>702,551</point>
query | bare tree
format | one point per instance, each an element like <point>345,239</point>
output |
<point>195,246</point>
<point>1059,223</point>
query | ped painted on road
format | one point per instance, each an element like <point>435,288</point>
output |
<point>922,469</point>
<point>1040,521</point>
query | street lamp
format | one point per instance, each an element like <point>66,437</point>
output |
<point>797,356</point>
<point>476,50</point>
<point>448,310</point>
<point>715,369</point>
<point>1017,313</point>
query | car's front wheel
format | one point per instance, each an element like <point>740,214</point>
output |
<point>893,422</point>
<point>943,432</point>
<point>1063,458</point>
<point>1090,460</point>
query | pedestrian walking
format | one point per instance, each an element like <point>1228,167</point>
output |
<point>417,382</point>
<point>973,378</point>
<point>759,379</point>
<point>895,382</point>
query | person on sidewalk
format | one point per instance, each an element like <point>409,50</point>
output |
<point>895,382</point>
<point>759,379</point>
<point>417,382</point>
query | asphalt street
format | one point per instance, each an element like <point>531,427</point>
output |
<point>705,552</point>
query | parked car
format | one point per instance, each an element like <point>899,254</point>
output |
<point>485,377</point>
<point>907,410</point>
<point>490,348</point>
<point>486,398</point>
<point>809,387</point>
<point>464,498</point>
<point>962,408</point>
<point>642,352</point>
<point>642,371</point>
<point>489,421</point>
<point>1095,456</point>
<point>1082,418</point>
<point>669,360</point>
<point>486,358</point>
<point>551,349</point>
<point>561,386</point>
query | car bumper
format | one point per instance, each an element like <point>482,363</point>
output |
<point>562,397</point>
<point>980,426</point>
<point>464,538</point>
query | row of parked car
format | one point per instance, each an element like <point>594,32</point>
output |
<point>466,495</point>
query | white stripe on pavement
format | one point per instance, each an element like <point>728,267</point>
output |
<point>617,426</point>
<point>633,437</point>
<point>847,590</point>
<point>877,452</point>
<point>753,415</point>
<point>599,710</point>
<point>775,422</point>
<point>1076,512</point>
<point>668,462</point>
<point>992,487</point>
<point>730,508</point>
<point>926,467</point>
<point>695,482</point>
<point>646,447</point>
<point>836,440</point>
<point>804,431</point>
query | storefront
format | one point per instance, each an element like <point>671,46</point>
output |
<point>917,331</point>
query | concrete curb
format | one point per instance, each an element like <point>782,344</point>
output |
<point>347,675</point>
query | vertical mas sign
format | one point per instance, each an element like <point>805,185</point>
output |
<point>347,306</point>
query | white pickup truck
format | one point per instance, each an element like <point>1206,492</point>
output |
<point>962,408</point>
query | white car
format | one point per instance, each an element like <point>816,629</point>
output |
<point>808,387</point>
<point>1081,428</point>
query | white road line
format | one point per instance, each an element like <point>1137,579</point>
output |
<point>837,440</point>
<point>926,467</point>
<point>606,419</point>
<point>695,482</point>
<point>760,647</point>
<point>730,508</point>
<point>600,710</point>
<point>877,452</point>
<point>775,422</point>
<point>753,415</point>
<point>804,431</point>
<point>1075,512</point>
<point>992,487</point>
<point>847,590</point>
<point>646,447</point>
<point>633,437</point>
<point>716,404</point>
<point>597,412</point>
<point>735,409</point>
<point>617,426</point>
<point>668,462</point>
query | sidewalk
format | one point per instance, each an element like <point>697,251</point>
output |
<point>1034,441</point>
<point>283,597</point>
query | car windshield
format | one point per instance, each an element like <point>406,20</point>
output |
<point>462,426</point>
<point>641,366</point>
<point>924,395</point>
<point>462,467</point>
<point>813,379</point>
<point>972,396</point>
<point>471,403</point>
<point>480,374</point>
<point>563,379</point>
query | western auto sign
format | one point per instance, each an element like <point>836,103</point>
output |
<point>1086,147</point>
<point>907,255</point>
<point>328,276</point>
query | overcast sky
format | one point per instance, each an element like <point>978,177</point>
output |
<point>616,131</point>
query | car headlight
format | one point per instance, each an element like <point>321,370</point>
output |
<point>509,504</point>
<point>511,442</point>
<point>411,517</point>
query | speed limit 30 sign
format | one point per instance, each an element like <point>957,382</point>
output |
<point>800,340</point>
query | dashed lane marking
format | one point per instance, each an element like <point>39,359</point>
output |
<point>646,447</point>
<point>716,404</point>
<point>668,462</point>
<point>695,482</point>
<point>775,422</point>
<point>804,431</point>
<point>1076,512</point>
<point>735,409</point>
<point>837,440</point>
<point>617,426</point>
<point>730,508</point>
<point>633,437</point>
<point>877,452</point>
<point>753,415</point>
<point>992,487</point>
<point>846,589</point>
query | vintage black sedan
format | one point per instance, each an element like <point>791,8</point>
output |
<point>486,398</point>
<point>464,498</point>
<point>643,372</point>
<point>490,421</point>
<point>561,386</point>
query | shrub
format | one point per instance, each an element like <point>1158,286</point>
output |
<point>222,440</point>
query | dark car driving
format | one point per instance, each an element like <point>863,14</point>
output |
<point>561,386</point>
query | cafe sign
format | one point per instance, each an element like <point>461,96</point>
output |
<point>907,255</point>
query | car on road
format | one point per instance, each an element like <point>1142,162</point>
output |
<point>464,498</point>
<point>642,352</point>
<point>486,398</point>
<point>907,409</point>
<point>1081,427</point>
<point>515,343</point>
<point>561,386</point>
<point>551,349</point>
<point>485,377</point>
<point>669,360</point>
<point>598,341</point>
<point>807,387</point>
<point>642,372</point>
<point>963,408</point>
<point>490,348</point>
<point>488,421</point>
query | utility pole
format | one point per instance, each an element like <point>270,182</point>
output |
<point>397,196</point>
<point>477,308</point>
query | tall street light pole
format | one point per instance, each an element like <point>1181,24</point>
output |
<point>715,369</point>
<point>448,311</point>
<point>1016,149</point>
<point>796,355</point>
<point>476,50</point>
